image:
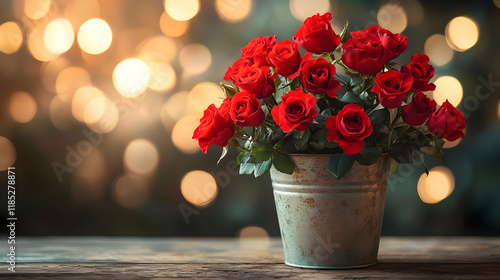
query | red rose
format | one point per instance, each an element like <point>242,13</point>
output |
<point>364,52</point>
<point>296,111</point>
<point>392,86</point>
<point>349,128</point>
<point>285,58</point>
<point>317,76</point>
<point>422,72</point>
<point>258,49</point>
<point>215,128</point>
<point>255,80</point>
<point>418,110</point>
<point>447,122</point>
<point>225,106</point>
<point>395,44</point>
<point>245,110</point>
<point>316,34</point>
<point>237,66</point>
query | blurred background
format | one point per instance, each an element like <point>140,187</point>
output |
<point>99,100</point>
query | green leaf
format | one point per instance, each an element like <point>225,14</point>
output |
<point>247,168</point>
<point>339,164</point>
<point>432,151</point>
<point>404,152</point>
<point>345,35</point>
<point>394,166</point>
<point>350,97</point>
<point>261,168</point>
<point>283,163</point>
<point>378,117</point>
<point>393,113</point>
<point>368,155</point>
<point>242,157</point>
<point>262,150</point>
<point>301,139</point>
<point>229,90</point>
<point>342,78</point>
<point>224,153</point>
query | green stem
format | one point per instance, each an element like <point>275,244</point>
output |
<point>243,149</point>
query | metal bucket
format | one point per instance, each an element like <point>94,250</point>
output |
<point>330,223</point>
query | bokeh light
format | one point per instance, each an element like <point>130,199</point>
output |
<point>93,166</point>
<point>69,80</point>
<point>172,27</point>
<point>199,188</point>
<point>130,191</point>
<point>248,236</point>
<point>22,107</point>
<point>202,95</point>
<point>163,77</point>
<point>499,109</point>
<point>416,14</point>
<point>182,134</point>
<point>462,33</point>
<point>451,144</point>
<point>11,37</point>
<point>36,9</point>
<point>7,153</point>
<point>302,9</point>
<point>497,3</point>
<point>94,36</point>
<point>195,58</point>
<point>448,87</point>
<point>392,17</point>
<point>101,115</point>
<point>36,45</point>
<point>174,109</point>
<point>141,156</point>
<point>233,10</point>
<point>50,71</point>
<point>158,49</point>
<point>438,50</point>
<point>78,11</point>
<point>182,10</point>
<point>438,185</point>
<point>81,99</point>
<point>252,231</point>
<point>59,36</point>
<point>131,77</point>
<point>60,114</point>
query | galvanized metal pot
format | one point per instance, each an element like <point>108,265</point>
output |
<point>330,223</point>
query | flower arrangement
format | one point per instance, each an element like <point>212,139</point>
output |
<point>345,97</point>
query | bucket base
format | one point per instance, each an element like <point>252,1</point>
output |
<point>330,267</point>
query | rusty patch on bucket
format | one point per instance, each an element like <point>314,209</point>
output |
<point>310,201</point>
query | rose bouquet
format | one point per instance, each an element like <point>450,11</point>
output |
<point>343,96</point>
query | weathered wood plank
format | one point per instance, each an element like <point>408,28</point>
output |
<point>243,270</point>
<point>230,258</point>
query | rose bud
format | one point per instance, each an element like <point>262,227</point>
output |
<point>316,35</point>
<point>447,122</point>
<point>418,110</point>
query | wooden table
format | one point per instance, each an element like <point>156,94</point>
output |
<point>141,258</point>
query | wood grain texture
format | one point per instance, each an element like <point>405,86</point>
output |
<point>229,258</point>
